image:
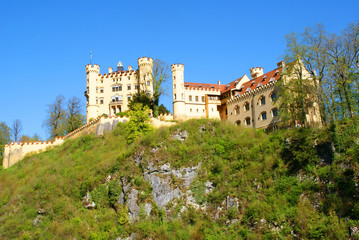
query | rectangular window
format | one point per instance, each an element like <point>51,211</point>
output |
<point>129,87</point>
<point>196,98</point>
<point>136,86</point>
<point>148,83</point>
<point>190,98</point>
<point>101,100</point>
<point>203,99</point>
<point>128,97</point>
<point>101,90</point>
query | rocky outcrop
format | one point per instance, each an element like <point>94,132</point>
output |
<point>132,205</point>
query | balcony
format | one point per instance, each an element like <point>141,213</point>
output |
<point>214,100</point>
<point>114,103</point>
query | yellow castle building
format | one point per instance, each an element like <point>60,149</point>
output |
<point>250,102</point>
<point>110,93</point>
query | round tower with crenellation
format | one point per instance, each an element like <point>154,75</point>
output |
<point>145,66</point>
<point>179,107</point>
<point>92,73</point>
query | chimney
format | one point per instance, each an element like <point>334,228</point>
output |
<point>110,70</point>
<point>219,82</point>
<point>129,67</point>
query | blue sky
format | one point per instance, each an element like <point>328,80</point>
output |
<point>45,45</point>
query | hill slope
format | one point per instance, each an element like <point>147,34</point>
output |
<point>199,179</point>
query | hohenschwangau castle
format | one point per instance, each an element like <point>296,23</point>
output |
<point>247,101</point>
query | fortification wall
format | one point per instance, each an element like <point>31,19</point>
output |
<point>165,117</point>
<point>15,152</point>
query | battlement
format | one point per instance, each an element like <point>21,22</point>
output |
<point>203,89</point>
<point>256,72</point>
<point>144,61</point>
<point>95,68</point>
<point>118,74</point>
<point>179,66</point>
<point>34,142</point>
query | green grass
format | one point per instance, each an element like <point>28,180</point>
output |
<point>276,176</point>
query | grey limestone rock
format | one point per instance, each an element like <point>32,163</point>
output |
<point>87,201</point>
<point>180,135</point>
<point>148,208</point>
<point>37,220</point>
<point>132,203</point>
<point>209,187</point>
<point>162,192</point>
<point>231,202</point>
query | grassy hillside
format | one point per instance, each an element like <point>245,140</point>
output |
<point>299,183</point>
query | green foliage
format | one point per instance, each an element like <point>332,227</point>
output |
<point>163,110</point>
<point>122,215</point>
<point>5,137</point>
<point>199,189</point>
<point>138,123</point>
<point>275,196</point>
<point>299,151</point>
<point>141,98</point>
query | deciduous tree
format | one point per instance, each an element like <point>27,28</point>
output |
<point>74,118</point>
<point>16,129</point>
<point>5,137</point>
<point>56,115</point>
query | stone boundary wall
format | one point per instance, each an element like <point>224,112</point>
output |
<point>16,151</point>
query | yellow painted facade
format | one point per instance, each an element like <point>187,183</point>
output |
<point>110,93</point>
<point>250,102</point>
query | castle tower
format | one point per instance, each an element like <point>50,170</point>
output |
<point>179,107</point>
<point>92,73</point>
<point>145,66</point>
<point>256,72</point>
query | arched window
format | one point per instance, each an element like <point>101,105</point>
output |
<point>247,121</point>
<point>262,100</point>
<point>264,116</point>
<point>236,110</point>
<point>238,122</point>
<point>246,106</point>
<point>273,96</point>
<point>175,96</point>
<point>275,112</point>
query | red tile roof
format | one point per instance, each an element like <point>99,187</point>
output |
<point>264,79</point>
<point>230,85</point>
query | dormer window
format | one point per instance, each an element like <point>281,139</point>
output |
<point>200,86</point>
<point>212,87</point>
<point>276,72</point>
<point>272,79</point>
<point>264,78</point>
<point>259,84</point>
<point>248,89</point>
<point>227,86</point>
<point>252,83</point>
<point>187,85</point>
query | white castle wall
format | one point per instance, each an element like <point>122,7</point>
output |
<point>15,152</point>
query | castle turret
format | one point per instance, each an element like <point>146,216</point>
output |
<point>179,108</point>
<point>145,66</point>
<point>256,72</point>
<point>92,73</point>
